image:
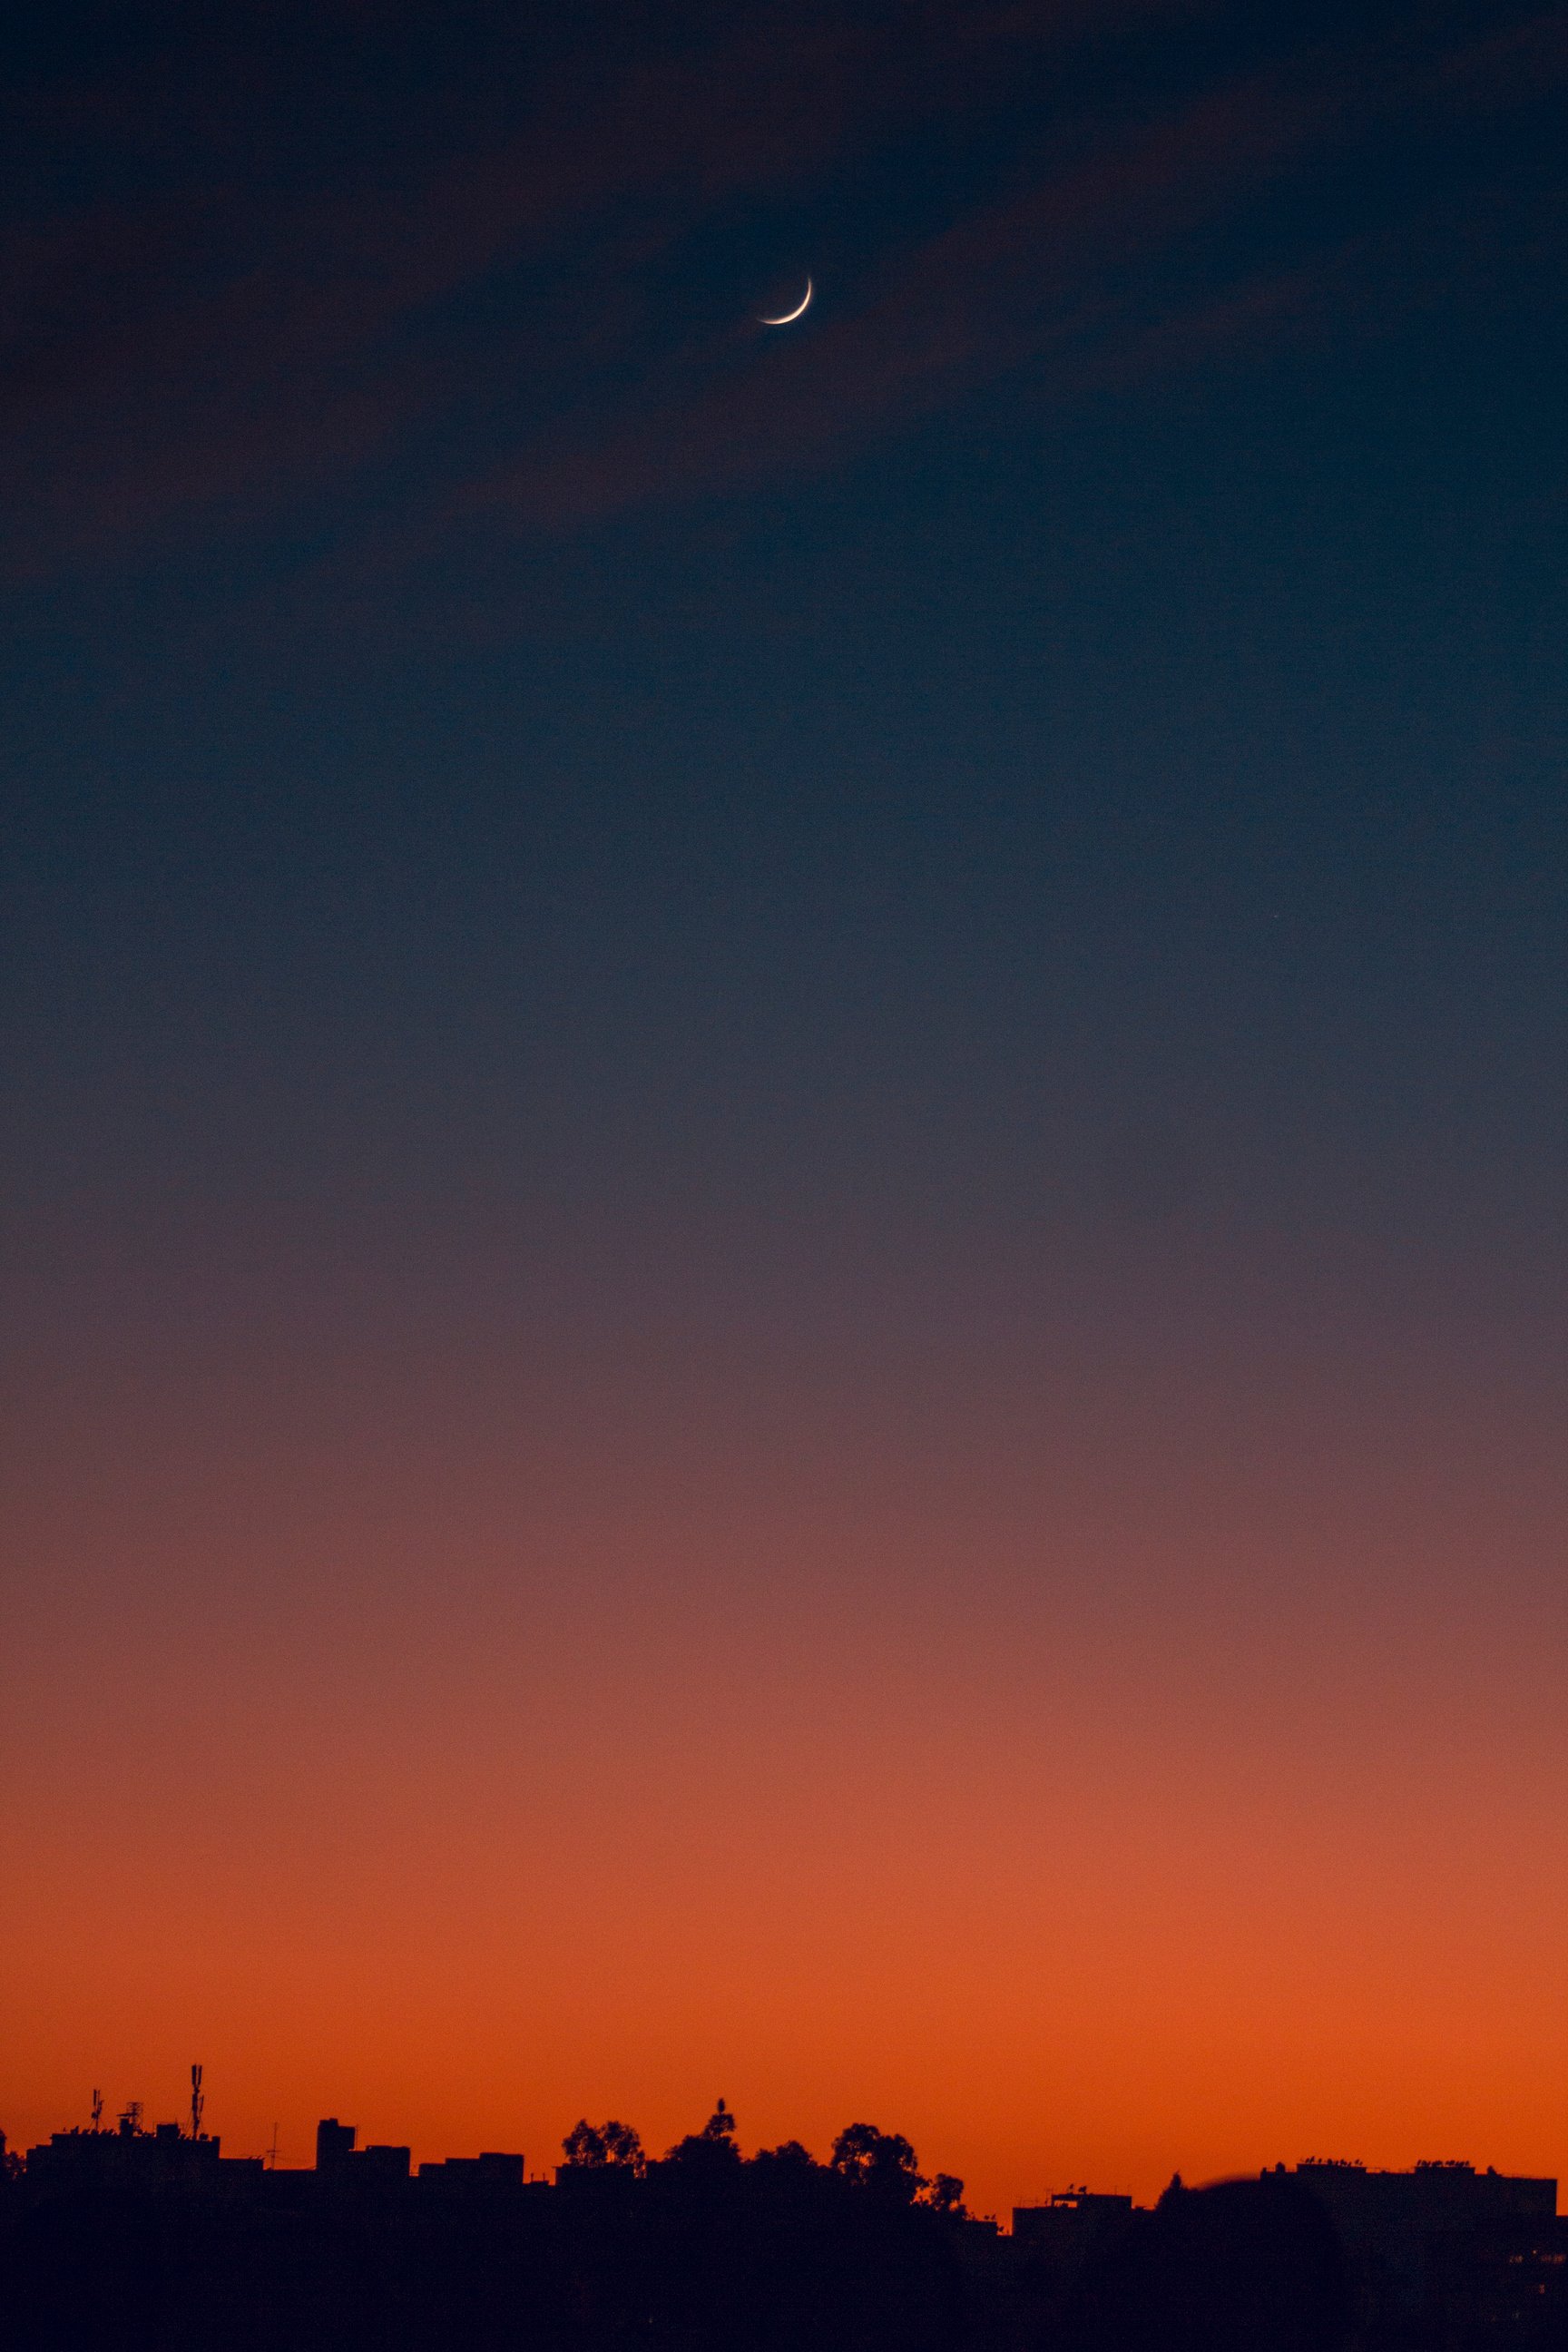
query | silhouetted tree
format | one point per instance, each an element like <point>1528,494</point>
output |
<point>721,2125</point>
<point>623,2145</point>
<point>584,2146</point>
<point>880,2162</point>
<point>1245,2267</point>
<point>714,2144</point>
<point>789,2158</point>
<point>595,2148</point>
<point>945,2195</point>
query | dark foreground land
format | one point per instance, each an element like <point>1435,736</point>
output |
<point>156,2244</point>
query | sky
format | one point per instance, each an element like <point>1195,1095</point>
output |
<point>782,1144</point>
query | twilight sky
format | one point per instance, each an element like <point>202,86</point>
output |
<point>783,1147</point>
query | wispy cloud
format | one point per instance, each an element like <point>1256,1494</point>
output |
<point>1070,277</point>
<point>216,344</point>
<point>218,341</point>
<point>1052,275</point>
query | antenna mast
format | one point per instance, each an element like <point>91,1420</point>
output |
<point>198,2102</point>
<point>96,2108</point>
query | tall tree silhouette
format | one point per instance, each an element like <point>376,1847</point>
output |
<point>881,2163</point>
<point>714,2145</point>
<point>595,2148</point>
<point>1244,2266</point>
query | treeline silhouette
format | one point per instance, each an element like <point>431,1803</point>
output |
<point>702,2249</point>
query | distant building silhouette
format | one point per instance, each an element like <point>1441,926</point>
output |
<point>1064,2229</point>
<point>127,2157</point>
<point>334,2143</point>
<point>1444,2236</point>
<point>491,2169</point>
<point>155,2240</point>
<point>1240,2266</point>
<point>343,2164</point>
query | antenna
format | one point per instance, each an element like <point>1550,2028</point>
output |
<point>198,2103</point>
<point>272,2151</point>
<point>96,2109</point>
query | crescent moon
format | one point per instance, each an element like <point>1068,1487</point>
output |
<point>790,316</point>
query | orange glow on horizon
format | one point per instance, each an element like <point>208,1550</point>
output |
<point>460,1819</point>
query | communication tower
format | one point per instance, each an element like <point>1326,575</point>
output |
<point>198,2102</point>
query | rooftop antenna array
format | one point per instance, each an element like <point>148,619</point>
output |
<point>198,2101</point>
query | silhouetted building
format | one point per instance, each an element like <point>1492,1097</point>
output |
<point>344,2166</point>
<point>1046,2256</point>
<point>334,2143</point>
<point>1323,2258</point>
<point>1503,2282</point>
<point>1478,2255</point>
<point>1063,2231</point>
<point>492,2169</point>
<point>163,2158</point>
<point>1240,2266</point>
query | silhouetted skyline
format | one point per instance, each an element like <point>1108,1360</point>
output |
<point>156,2236</point>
